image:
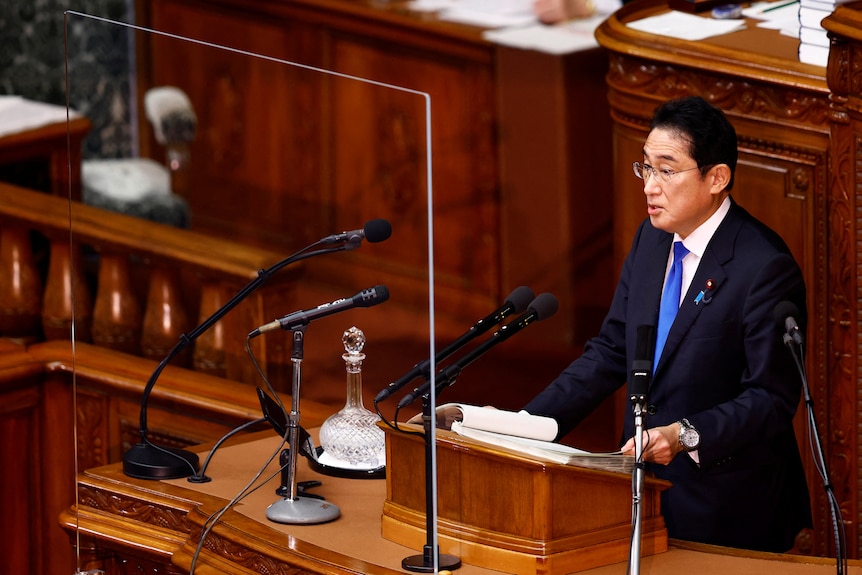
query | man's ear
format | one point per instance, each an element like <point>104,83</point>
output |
<point>720,174</point>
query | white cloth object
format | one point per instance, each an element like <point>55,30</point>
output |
<point>164,101</point>
<point>127,179</point>
<point>18,114</point>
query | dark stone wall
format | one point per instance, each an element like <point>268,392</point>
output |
<point>39,38</point>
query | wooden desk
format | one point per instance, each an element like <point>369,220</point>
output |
<point>791,174</point>
<point>30,156</point>
<point>129,524</point>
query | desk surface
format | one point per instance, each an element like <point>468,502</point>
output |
<point>756,54</point>
<point>32,131</point>
<point>350,544</point>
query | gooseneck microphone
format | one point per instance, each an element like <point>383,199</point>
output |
<point>374,231</point>
<point>642,363</point>
<point>785,314</point>
<point>366,298</point>
<point>516,302</point>
<point>146,460</point>
<point>542,307</point>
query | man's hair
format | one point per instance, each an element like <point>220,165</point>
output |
<point>711,137</point>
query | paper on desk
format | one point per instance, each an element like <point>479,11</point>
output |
<point>770,10</point>
<point>784,18</point>
<point>430,5</point>
<point>686,26</point>
<point>564,38</point>
<point>485,19</point>
<point>18,114</point>
<point>484,13</point>
<point>560,39</point>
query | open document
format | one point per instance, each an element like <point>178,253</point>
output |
<point>525,433</point>
<point>556,452</point>
<point>518,423</point>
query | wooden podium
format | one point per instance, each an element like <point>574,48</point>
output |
<point>510,512</point>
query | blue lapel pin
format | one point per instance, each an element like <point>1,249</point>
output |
<point>702,297</point>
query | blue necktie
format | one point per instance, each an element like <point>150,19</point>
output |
<point>669,300</point>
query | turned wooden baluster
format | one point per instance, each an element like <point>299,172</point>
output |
<point>20,286</point>
<point>117,318</point>
<point>165,318</point>
<point>65,282</point>
<point>209,355</point>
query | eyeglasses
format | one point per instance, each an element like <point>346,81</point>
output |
<point>643,171</point>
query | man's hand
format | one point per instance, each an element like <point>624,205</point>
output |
<point>660,444</point>
<point>553,11</point>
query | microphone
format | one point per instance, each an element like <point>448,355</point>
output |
<point>516,302</point>
<point>374,231</point>
<point>642,363</point>
<point>543,306</point>
<point>785,314</point>
<point>145,460</point>
<point>366,298</point>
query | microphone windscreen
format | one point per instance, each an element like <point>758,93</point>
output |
<point>545,305</point>
<point>520,298</point>
<point>382,293</point>
<point>371,296</point>
<point>784,310</point>
<point>377,230</point>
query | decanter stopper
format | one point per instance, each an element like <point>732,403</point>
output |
<point>352,436</point>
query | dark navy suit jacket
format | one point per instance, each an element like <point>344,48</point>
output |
<point>725,368</point>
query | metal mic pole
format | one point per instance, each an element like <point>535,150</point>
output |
<point>295,509</point>
<point>642,368</point>
<point>637,488</point>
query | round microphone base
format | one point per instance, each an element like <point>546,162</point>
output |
<point>302,511</point>
<point>145,461</point>
<point>423,564</point>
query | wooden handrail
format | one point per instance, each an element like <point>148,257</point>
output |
<point>131,284</point>
<point>111,231</point>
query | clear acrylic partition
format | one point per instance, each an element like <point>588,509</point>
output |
<point>340,146</point>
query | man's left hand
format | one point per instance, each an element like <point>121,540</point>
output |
<point>660,444</point>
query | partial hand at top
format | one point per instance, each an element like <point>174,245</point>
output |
<point>553,11</point>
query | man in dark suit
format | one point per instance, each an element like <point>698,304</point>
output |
<point>724,388</point>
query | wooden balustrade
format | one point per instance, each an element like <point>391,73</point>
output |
<point>130,284</point>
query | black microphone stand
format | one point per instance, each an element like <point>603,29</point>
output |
<point>514,303</point>
<point>820,459</point>
<point>425,563</point>
<point>145,460</point>
<point>543,306</point>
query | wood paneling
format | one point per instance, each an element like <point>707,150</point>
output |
<point>519,142</point>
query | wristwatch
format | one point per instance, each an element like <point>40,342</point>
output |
<point>689,437</point>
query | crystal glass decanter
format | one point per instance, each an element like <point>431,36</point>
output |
<point>351,437</point>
